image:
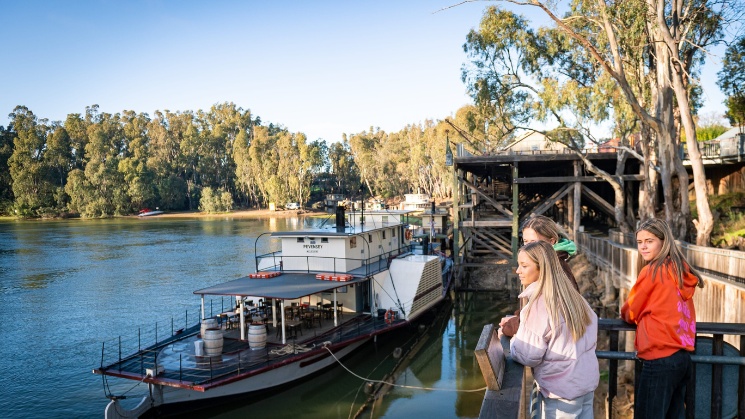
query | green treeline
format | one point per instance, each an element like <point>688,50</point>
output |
<point>98,164</point>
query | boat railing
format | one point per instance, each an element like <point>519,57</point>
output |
<point>162,333</point>
<point>329,264</point>
<point>716,388</point>
<point>206,371</point>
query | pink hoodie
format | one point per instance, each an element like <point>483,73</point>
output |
<point>563,368</point>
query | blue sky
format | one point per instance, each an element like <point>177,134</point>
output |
<point>319,67</point>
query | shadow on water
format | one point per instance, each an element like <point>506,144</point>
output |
<point>443,361</point>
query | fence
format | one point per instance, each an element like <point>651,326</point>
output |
<point>716,389</point>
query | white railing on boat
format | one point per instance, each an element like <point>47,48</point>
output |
<point>321,264</point>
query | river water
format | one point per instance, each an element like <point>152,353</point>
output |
<point>68,285</point>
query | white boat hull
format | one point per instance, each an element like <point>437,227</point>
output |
<point>279,376</point>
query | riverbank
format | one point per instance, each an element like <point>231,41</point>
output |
<point>253,213</point>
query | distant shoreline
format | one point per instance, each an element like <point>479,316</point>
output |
<point>260,213</point>
<point>257,214</point>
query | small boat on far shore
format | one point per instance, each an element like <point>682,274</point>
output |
<point>146,212</point>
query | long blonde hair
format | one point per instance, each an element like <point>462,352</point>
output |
<point>669,251</point>
<point>562,300</point>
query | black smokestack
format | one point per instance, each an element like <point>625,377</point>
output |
<point>340,221</point>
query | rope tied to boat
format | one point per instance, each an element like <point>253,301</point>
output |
<point>123,396</point>
<point>291,348</point>
<point>368,380</point>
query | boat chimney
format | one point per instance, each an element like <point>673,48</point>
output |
<point>340,221</point>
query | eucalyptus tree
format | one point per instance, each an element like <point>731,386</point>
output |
<point>393,161</point>
<point>731,79</point>
<point>164,134</point>
<point>190,146</point>
<point>342,166</point>
<point>365,147</point>
<point>105,191</point>
<point>59,160</point>
<point>311,159</point>
<point>77,130</point>
<point>133,163</point>
<point>6,181</point>
<point>245,182</point>
<point>33,187</point>
<point>669,40</point>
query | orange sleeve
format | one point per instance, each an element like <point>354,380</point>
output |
<point>637,298</point>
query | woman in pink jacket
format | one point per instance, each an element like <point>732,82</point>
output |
<point>557,335</point>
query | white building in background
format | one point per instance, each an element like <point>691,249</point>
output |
<point>535,142</point>
<point>416,202</point>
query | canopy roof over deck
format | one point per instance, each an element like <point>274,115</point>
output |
<point>287,286</point>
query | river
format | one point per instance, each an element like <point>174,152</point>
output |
<point>68,285</point>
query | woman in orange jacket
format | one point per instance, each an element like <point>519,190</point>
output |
<point>661,305</point>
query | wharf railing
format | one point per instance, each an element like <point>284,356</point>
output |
<point>715,390</point>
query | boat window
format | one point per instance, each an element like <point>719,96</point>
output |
<point>352,242</point>
<point>369,238</point>
<point>301,240</point>
<point>324,239</point>
<point>393,233</point>
<point>383,234</point>
<point>385,219</point>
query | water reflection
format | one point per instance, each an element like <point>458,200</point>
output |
<point>68,285</point>
<point>443,361</point>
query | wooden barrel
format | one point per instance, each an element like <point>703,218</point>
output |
<point>257,336</point>
<point>208,324</point>
<point>212,342</point>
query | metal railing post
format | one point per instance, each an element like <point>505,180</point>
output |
<point>717,348</point>
<point>612,375</point>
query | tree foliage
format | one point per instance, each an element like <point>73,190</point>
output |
<point>731,79</point>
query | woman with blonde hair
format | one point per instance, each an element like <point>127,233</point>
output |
<point>542,228</point>
<point>660,303</point>
<point>557,335</point>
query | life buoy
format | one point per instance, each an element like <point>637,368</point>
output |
<point>408,234</point>
<point>389,317</point>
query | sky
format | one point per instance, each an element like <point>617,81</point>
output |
<point>323,68</point>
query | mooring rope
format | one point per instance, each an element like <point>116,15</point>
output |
<point>291,349</point>
<point>111,396</point>
<point>326,346</point>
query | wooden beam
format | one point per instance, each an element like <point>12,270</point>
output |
<point>492,234</point>
<point>477,238</point>
<point>550,201</point>
<point>485,223</point>
<point>485,265</point>
<point>597,199</point>
<point>490,357</point>
<point>487,198</point>
<point>565,179</point>
<point>496,246</point>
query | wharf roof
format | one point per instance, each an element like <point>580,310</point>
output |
<point>287,286</point>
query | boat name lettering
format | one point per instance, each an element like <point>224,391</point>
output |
<point>312,246</point>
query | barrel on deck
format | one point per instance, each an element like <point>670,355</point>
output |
<point>208,324</point>
<point>256,336</point>
<point>212,342</point>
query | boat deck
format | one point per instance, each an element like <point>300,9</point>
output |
<point>182,368</point>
